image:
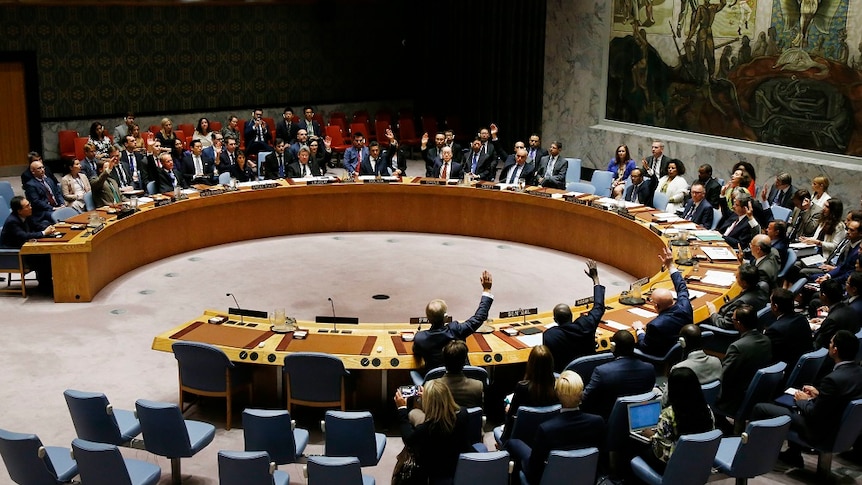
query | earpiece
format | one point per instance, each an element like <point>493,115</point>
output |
<point>682,342</point>
<point>613,346</point>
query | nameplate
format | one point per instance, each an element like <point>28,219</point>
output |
<point>519,312</point>
<point>122,214</point>
<point>626,215</point>
<point>421,320</point>
<point>433,182</point>
<point>574,199</point>
<point>487,186</point>
<point>654,228</point>
<point>640,282</point>
<point>319,181</point>
<point>539,193</point>
<point>246,312</point>
<point>584,301</point>
<point>162,202</point>
<point>211,192</point>
<point>375,181</point>
<point>268,185</point>
<point>336,320</point>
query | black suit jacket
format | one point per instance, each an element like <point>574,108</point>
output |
<point>164,184</point>
<point>37,194</point>
<point>823,414</point>
<point>755,297</point>
<point>188,170</point>
<point>455,172</point>
<point>303,125</point>
<point>431,156</point>
<point>702,215</point>
<point>713,191</point>
<point>486,166</point>
<point>400,162</point>
<point>528,172</point>
<point>294,170</point>
<point>556,179</point>
<point>138,164</point>
<point>285,131</point>
<point>428,344</point>
<point>790,336</point>
<point>751,352</point>
<point>570,430</point>
<point>623,376</point>
<point>572,340</point>
<point>644,195</point>
<point>663,166</point>
<point>741,234</point>
<point>785,200</point>
<point>270,164</point>
<point>16,232</point>
<point>841,317</point>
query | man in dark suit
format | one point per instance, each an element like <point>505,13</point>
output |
<point>213,153</point>
<point>518,169</point>
<point>638,191</point>
<point>195,168</point>
<point>432,155</point>
<point>623,376</point>
<point>304,166</point>
<point>394,158</point>
<point>44,195</point>
<point>789,332</point>
<point>91,162</point>
<point>428,344</point>
<point>311,127</point>
<point>655,165</point>
<point>572,429</point>
<point>840,317</point>
<point>449,141</point>
<point>276,163</point>
<point>698,210</point>
<point>781,194</point>
<point>19,228</point>
<point>168,176</point>
<point>227,159</point>
<point>447,168</point>
<point>27,176</point>
<point>766,259</point>
<point>777,232</point>
<point>741,226</point>
<point>570,340</point>
<point>468,393</point>
<point>752,294</point>
<point>805,217</point>
<point>478,163</point>
<point>752,351</point>
<point>374,163</point>
<point>819,410</point>
<point>659,335</point>
<point>257,135</point>
<point>853,287</point>
<point>710,184</point>
<point>552,168</point>
<point>535,151</point>
<point>285,128</point>
<point>133,164</point>
<point>487,147</point>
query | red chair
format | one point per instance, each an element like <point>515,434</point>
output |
<point>360,128</point>
<point>383,115</point>
<point>79,147</point>
<point>67,144</point>
<point>337,114</point>
<point>429,125</point>
<point>342,124</point>
<point>318,118</point>
<point>338,145</point>
<point>215,125</point>
<point>361,116</point>
<point>405,113</point>
<point>382,126</point>
<point>186,128</point>
<point>155,129</point>
<point>407,133</point>
<point>453,122</point>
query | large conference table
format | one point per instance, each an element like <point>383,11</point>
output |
<point>83,264</point>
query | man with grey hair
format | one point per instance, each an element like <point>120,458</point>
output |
<point>446,167</point>
<point>740,226</point>
<point>655,165</point>
<point>781,193</point>
<point>766,259</point>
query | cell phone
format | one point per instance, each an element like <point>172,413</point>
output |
<point>408,391</point>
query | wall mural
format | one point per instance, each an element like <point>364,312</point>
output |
<point>780,72</point>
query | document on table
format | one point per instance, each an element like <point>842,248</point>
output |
<point>531,340</point>
<point>719,278</point>
<point>705,235</point>
<point>616,325</point>
<point>642,313</point>
<point>718,254</point>
<point>692,294</point>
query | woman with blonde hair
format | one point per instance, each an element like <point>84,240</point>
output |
<point>819,186</point>
<point>166,135</point>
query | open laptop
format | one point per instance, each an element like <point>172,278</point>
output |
<point>643,416</point>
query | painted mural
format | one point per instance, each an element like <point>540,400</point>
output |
<point>775,71</point>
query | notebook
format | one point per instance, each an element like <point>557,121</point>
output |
<point>643,416</point>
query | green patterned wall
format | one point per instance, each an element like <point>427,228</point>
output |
<point>101,61</point>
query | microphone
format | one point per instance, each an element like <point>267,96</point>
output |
<point>239,310</point>
<point>332,304</point>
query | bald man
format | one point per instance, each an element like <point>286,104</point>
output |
<point>428,344</point>
<point>766,259</point>
<point>572,339</point>
<point>446,167</point>
<point>659,335</point>
<point>519,168</point>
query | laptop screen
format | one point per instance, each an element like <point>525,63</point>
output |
<point>644,415</point>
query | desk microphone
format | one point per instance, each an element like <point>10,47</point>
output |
<point>239,310</point>
<point>332,304</point>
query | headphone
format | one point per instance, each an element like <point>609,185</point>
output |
<point>613,346</point>
<point>681,341</point>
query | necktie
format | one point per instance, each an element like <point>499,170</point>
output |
<point>475,162</point>
<point>173,179</point>
<point>513,174</point>
<point>732,226</point>
<point>550,170</point>
<point>199,168</point>
<point>114,193</point>
<point>232,159</point>
<point>445,173</point>
<point>132,163</point>
<point>281,166</point>
<point>797,221</point>
<point>50,193</point>
<point>689,212</point>
<point>656,164</point>
<point>532,153</point>
<point>634,196</point>
<point>837,256</point>
<point>358,160</point>
<point>304,171</point>
<point>777,196</point>
<point>122,174</point>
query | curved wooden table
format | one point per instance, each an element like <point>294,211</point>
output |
<point>85,264</point>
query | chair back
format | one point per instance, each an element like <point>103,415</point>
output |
<point>796,288</point>
<point>224,178</point>
<point>671,357</point>
<point>351,433</point>
<point>25,459</point>
<point>327,470</point>
<point>470,371</point>
<point>584,365</point>
<point>244,468</point>
<point>6,192</point>
<point>474,424</point>
<point>100,463</point>
<point>93,417</point>
<point>151,187</point>
<point>711,391</point>
<point>563,465</point>
<point>759,447</point>
<point>581,187</point>
<point>429,124</point>
<point>691,461</point>
<point>164,429</point>
<point>602,180</point>
<point>490,468</point>
<point>850,427</point>
<point>618,420</point>
<point>89,201</point>
<point>716,218</point>
<point>762,388</point>
<point>314,376</point>
<point>529,418</point>
<point>573,173</point>
<point>202,366</point>
<point>61,215</point>
<point>270,431</point>
<point>780,213</point>
<point>5,210</point>
<point>806,368</point>
<point>66,139</point>
<point>791,260</point>
<point>660,200</point>
<point>261,156</point>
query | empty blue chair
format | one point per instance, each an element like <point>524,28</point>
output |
<point>690,463</point>
<point>102,464</point>
<point>780,213</point>
<point>274,432</point>
<point>7,193</point>
<point>351,433</point>
<point>167,434</point>
<point>564,465</point>
<point>580,187</point>
<point>486,468</point>
<point>584,365</point>
<point>848,432</point>
<point>602,180</point>
<point>527,421</point>
<point>28,462</point>
<point>249,468</point>
<point>763,388</point>
<point>5,210</point>
<point>224,178</point>
<point>662,363</point>
<point>755,451</point>
<point>96,420</point>
<point>151,187</point>
<point>329,470</point>
<point>315,379</point>
<point>573,173</point>
<point>716,218</point>
<point>660,200</point>
<point>791,260</point>
<point>61,215</point>
<point>711,391</point>
<point>89,202</point>
<point>476,424</point>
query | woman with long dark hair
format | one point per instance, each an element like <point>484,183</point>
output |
<point>831,231</point>
<point>536,389</point>
<point>99,138</point>
<point>621,166</point>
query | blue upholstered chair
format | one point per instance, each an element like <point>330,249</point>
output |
<point>89,201</point>
<point>64,213</point>
<point>351,433</point>
<point>492,468</point>
<point>328,470</point>
<point>763,388</point>
<point>848,432</point>
<point>151,187</point>
<point>755,451</point>
<point>207,371</point>
<point>618,442</point>
<point>573,173</point>
<point>96,420</point>
<point>780,213</point>
<point>804,372</point>
<point>791,260</point>
<point>690,463</point>
<point>602,180</point>
<point>584,365</point>
<point>527,421</point>
<point>470,371</point>
<point>581,187</point>
<point>660,200</point>
<point>7,193</point>
<point>711,391</point>
<point>564,465</point>
<point>28,462</point>
<point>11,263</point>
<point>315,379</point>
<point>274,432</point>
<point>102,464</point>
<point>249,468</point>
<point>224,178</point>
<point>167,434</point>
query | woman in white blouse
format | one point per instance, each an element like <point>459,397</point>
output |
<point>674,186</point>
<point>74,185</point>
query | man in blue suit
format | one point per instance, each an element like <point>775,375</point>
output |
<point>638,191</point>
<point>659,335</point>
<point>355,155</point>
<point>623,376</point>
<point>698,210</point>
<point>44,194</point>
<point>428,344</point>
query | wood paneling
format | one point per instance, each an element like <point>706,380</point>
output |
<point>14,134</point>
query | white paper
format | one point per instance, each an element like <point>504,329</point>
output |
<point>144,200</point>
<point>814,260</point>
<point>720,253</point>
<point>642,313</point>
<point>801,245</point>
<point>616,325</point>
<point>719,278</point>
<point>686,225</point>
<point>531,340</point>
<point>692,294</point>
